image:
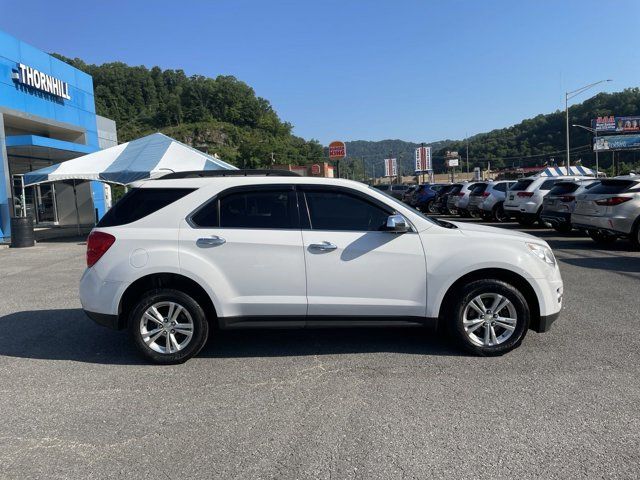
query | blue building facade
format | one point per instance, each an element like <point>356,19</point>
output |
<point>47,115</point>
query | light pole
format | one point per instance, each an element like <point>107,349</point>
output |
<point>595,144</point>
<point>567,97</point>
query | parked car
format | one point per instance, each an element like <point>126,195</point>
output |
<point>462,200</point>
<point>396,191</point>
<point>524,199</point>
<point>407,196</point>
<point>610,210</point>
<point>560,202</point>
<point>476,196</point>
<point>491,204</point>
<point>424,197</point>
<point>447,203</point>
<point>240,250</point>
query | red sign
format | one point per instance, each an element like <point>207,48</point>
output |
<point>390,167</point>
<point>315,169</point>
<point>337,150</point>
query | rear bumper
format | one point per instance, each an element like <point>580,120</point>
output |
<point>614,225</point>
<point>556,218</point>
<point>110,321</point>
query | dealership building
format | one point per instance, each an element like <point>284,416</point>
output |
<point>47,116</point>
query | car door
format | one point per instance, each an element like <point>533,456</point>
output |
<point>247,245</point>
<point>354,267</point>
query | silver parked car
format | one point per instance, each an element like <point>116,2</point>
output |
<point>490,201</point>
<point>610,210</point>
<point>560,202</point>
<point>462,200</point>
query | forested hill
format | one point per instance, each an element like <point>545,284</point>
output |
<point>531,142</point>
<point>220,115</point>
<point>538,139</point>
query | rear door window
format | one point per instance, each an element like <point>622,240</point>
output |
<point>139,203</point>
<point>255,209</point>
<point>521,185</point>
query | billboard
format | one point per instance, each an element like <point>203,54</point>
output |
<point>423,159</point>
<point>337,150</point>
<point>390,167</point>
<point>616,142</point>
<point>453,162</point>
<point>617,124</point>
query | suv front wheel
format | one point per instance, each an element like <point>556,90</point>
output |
<point>168,326</point>
<point>491,318</point>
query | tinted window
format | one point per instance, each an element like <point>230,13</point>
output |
<point>479,189</point>
<point>207,216</point>
<point>563,188</point>
<point>501,187</point>
<point>548,184</point>
<point>455,190</point>
<point>606,187</point>
<point>399,188</point>
<point>382,187</point>
<point>341,211</point>
<point>259,209</point>
<point>140,202</point>
<point>521,185</point>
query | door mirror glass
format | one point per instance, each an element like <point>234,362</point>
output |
<point>397,223</point>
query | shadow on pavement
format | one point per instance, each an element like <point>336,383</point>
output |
<point>67,334</point>
<point>616,264</point>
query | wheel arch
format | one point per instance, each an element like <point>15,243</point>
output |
<point>156,281</point>
<point>508,276</point>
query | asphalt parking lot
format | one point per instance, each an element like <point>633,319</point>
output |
<point>77,402</point>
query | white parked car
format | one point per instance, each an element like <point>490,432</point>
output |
<point>524,199</point>
<point>241,250</point>
<point>462,200</point>
<point>492,203</point>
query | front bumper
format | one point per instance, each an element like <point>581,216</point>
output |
<point>544,325</point>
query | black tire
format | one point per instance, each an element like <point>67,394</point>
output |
<point>488,287</point>
<point>635,235</point>
<point>194,315</point>
<point>601,238</point>
<point>562,227</point>
<point>431,207</point>
<point>526,221</point>
<point>499,214</point>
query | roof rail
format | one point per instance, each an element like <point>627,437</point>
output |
<point>229,173</point>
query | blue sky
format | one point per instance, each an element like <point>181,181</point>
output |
<point>357,69</point>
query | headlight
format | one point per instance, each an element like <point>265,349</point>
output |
<point>543,253</point>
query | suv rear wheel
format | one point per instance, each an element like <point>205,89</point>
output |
<point>491,318</point>
<point>601,238</point>
<point>168,326</point>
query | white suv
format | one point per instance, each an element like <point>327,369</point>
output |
<point>524,200</point>
<point>239,249</point>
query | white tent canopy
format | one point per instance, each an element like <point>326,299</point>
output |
<point>561,171</point>
<point>147,157</point>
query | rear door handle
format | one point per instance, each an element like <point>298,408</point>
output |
<point>208,242</point>
<point>323,247</point>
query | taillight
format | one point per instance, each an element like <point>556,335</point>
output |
<point>485,194</point>
<point>612,202</point>
<point>461,194</point>
<point>567,198</point>
<point>97,244</point>
<point>525,194</point>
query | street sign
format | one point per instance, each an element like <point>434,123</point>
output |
<point>315,169</point>
<point>453,162</point>
<point>423,159</point>
<point>337,150</point>
<point>390,167</point>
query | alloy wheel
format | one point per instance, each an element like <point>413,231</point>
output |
<point>166,327</point>
<point>489,319</point>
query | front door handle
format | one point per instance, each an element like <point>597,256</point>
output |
<point>323,247</point>
<point>208,242</point>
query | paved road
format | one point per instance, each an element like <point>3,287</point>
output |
<point>76,402</point>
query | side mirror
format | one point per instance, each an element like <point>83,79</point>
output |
<point>397,223</point>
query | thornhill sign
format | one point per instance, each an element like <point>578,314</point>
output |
<point>41,81</point>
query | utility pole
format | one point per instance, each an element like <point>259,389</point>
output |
<point>467,155</point>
